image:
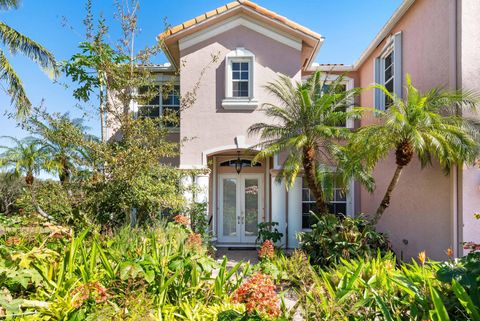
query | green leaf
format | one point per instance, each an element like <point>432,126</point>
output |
<point>466,301</point>
<point>440,310</point>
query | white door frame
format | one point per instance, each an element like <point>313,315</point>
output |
<point>240,236</point>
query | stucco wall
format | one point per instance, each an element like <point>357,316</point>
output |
<point>206,124</point>
<point>469,65</point>
<point>421,206</point>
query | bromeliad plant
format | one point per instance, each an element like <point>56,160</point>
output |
<point>429,125</point>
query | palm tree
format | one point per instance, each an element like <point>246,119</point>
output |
<point>63,140</point>
<point>27,157</point>
<point>16,42</point>
<point>308,124</point>
<point>428,125</point>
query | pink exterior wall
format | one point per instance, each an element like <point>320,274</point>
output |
<point>469,71</point>
<point>206,122</point>
<point>421,206</point>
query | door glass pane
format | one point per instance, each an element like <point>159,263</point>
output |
<point>229,207</point>
<point>251,207</point>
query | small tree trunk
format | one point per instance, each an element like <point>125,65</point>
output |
<point>386,199</point>
<point>309,166</point>
<point>102,115</point>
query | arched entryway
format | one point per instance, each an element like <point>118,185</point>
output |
<point>239,194</point>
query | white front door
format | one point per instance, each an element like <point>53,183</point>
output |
<point>240,207</point>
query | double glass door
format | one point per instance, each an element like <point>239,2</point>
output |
<point>240,207</point>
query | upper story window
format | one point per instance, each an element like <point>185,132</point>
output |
<point>388,71</point>
<point>163,100</point>
<point>239,80</point>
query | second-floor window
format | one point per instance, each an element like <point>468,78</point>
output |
<point>240,78</point>
<point>388,71</point>
<point>388,75</point>
<point>162,100</point>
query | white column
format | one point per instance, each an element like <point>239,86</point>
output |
<point>186,182</point>
<point>278,206</point>
<point>294,212</point>
<point>201,184</point>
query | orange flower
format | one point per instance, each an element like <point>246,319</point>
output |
<point>258,294</point>
<point>194,241</point>
<point>92,290</point>
<point>13,240</point>
<point>450,252</point>
<point>181,219</point>
<point>422,256</point>
<point>267,251</point>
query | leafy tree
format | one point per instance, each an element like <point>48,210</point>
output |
<point>131,177</point>
<point>428,125</point>
<point>308,125</point>
<point>16,42</point>
<point>27,157</point>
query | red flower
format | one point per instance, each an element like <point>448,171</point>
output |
<point>471,246</point>
<point>258,294</point>
<point>267,251</point>
<point>181,219</point>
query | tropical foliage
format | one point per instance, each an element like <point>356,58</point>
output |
<point>333,238</point>
<point>429,125</point>
<point>150,274</point>
<point>15,42</point>
<point>308,124</point>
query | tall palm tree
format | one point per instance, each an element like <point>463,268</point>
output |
<point>15,42</point>
<point>27,157</point>
<point>428,125</point>
<point>307,124</point>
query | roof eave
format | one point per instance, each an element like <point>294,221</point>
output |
<point>387,28</point>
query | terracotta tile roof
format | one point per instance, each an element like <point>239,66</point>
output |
<point>231,5</point>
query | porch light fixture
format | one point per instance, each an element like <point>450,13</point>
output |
<point>238,163</point>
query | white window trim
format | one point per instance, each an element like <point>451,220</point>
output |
<point>239,103</point>
<point>393,45</point>
<point>387,51</point>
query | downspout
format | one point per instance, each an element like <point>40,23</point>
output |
<point>457,170</point>
<point>286,218</point>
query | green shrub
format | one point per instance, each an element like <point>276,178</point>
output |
<point>334,237</point>
<point>268,231</point>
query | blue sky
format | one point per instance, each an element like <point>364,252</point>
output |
<point>347,25</point>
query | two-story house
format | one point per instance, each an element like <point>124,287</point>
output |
<point>232,52</point>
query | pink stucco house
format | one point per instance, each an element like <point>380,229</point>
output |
<point>436,41</point>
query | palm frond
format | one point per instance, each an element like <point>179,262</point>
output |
<point>14,86</point>
<point>19,43</point>
<point>9,4</point>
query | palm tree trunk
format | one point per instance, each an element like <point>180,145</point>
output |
<point>386,198</point>
<point>309,166</point>
<point>29,178</point>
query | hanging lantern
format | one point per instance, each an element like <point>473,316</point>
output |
<point>238,163</point>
